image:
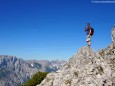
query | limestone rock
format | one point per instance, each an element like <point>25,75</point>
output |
<point>86,68</point>
<point>113,37</point>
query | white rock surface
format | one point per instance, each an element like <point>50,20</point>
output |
<point>113,37</point>
<point>86,68</point>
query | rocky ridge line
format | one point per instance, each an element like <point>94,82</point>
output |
<point>86,68</point>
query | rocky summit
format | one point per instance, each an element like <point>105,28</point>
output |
<point>86,68</point>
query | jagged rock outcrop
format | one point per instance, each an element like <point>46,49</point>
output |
<point>109,55</point>
<point>14,71</point>
<point>113,37</point>
<point>86,68</point>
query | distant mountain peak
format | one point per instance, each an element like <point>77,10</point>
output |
<point>14,71</point>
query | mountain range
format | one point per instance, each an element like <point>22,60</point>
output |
<point>15,71</point>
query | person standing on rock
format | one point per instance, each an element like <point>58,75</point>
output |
<point>90,32</point>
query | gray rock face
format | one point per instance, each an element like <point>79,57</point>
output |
<point>14,71</point>
<point>109,55</point>
<point>86,68</point>
<point>113,37</point>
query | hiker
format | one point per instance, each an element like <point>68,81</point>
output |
<point>90,32</point>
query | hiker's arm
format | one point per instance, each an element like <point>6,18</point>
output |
<point>89,33</point>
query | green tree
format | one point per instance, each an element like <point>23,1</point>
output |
<point>36,79</point>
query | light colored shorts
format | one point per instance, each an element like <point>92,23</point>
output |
<point>88,39</point>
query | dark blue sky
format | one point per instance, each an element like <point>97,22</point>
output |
<point>52,29</point>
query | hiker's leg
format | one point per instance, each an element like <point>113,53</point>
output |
<point>89,43</point>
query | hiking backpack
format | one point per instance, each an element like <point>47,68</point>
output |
<point>92,31</point>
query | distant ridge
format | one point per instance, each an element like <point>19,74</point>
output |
<point>14,71</point>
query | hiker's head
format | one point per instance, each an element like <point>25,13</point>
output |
<point>88,25</point>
